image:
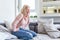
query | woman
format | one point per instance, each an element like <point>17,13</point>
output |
<point>20,25</point>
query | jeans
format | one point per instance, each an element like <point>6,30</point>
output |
<point>30,31</point>
<point>24,34</point>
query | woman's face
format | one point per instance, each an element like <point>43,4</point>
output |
<point>27,11</point>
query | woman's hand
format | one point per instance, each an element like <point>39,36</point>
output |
<point>16,29</point>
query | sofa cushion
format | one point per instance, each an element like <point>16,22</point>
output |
<point>52,31</point>
<point>41,23</point>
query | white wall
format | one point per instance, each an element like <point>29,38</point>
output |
<point>7,10</point>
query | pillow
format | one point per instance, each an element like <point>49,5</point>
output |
<point>52,31</point>
<point>2,23</point>
<point>41,23</point>
<point>8,26</point>
<point>7,36</point>
<point>3,29</point>
<point>48,27</point>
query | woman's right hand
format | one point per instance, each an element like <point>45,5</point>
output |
<point>16,29</point>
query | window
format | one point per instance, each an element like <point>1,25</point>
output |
<point>31,3</point>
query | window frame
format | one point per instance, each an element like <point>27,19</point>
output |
<point>31,10</point>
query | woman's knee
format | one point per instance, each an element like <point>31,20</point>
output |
<point>26,34</point>
<point>29,35</point>
<point>32,32</point>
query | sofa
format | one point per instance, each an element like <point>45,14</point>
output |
<point>47,30</point>
<point>40,35</point>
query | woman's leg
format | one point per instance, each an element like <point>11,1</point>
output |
<point>32,32</point>
<point>21,34</point>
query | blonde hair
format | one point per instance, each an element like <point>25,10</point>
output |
<point>24,8</point>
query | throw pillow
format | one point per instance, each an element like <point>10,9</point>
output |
<point>41,23</point>
<point>7,25</point>
<point>52,31</point>
<point>3,29</point>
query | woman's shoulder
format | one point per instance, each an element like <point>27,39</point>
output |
<point>20,15</point>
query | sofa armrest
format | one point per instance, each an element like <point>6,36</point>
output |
<point>33,27</point>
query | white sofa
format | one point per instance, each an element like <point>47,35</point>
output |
<point>45,36</point>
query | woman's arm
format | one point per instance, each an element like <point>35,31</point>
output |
<point>15,26</point>
<point>27,21</point>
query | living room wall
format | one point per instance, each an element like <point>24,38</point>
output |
<point>39,7</point>
<point>7,10</point>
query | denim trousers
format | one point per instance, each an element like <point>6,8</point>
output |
<point>24,34</point>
